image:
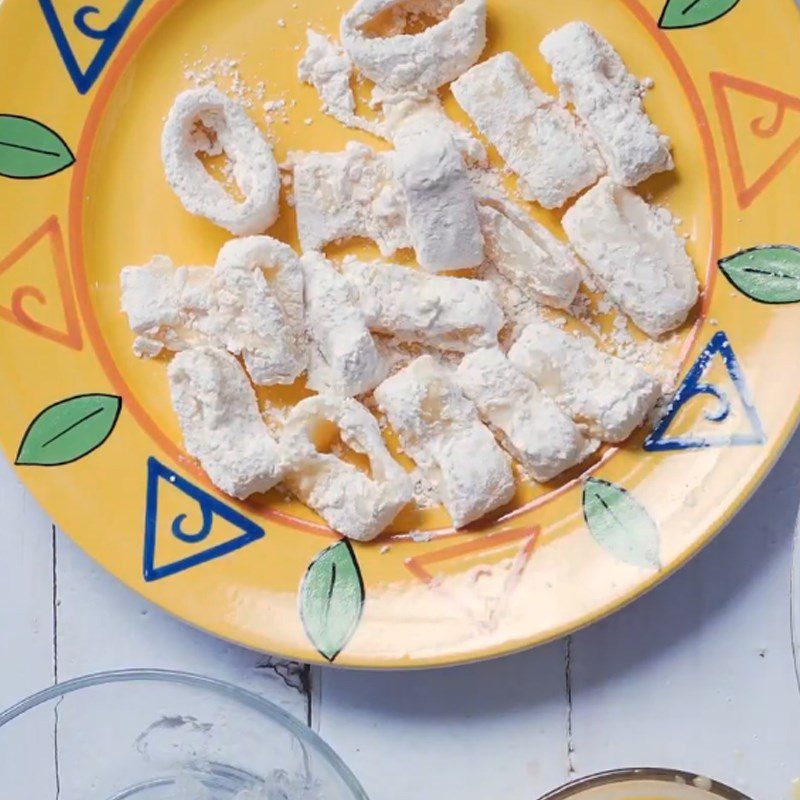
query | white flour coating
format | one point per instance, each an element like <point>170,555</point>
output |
<point>442,212</point>
<point>162,304</point>
<point>354,504</point>
<point>606,395</point>
<point>451,313</point>
<point>348,194</point>
<point>527,422</point>
<point>539,139</point>
<point>233,306</point>
<point>439,428</point>
<point>528,255</point>
<point>328,68</point>
<point>261,280</point>
<point>207,121</point>
<point>423,61</point>
<point>221,424</point>
<point>398,108</point>
<point>592,76</point>
<point>635,253</point>
<point>343,357</point>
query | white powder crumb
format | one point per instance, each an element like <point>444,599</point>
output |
<point>274,105</point>
<point>420,536</point>
<point>385,549</point>
<point>425,493</point>
<point>604,305</point>
<point>281,23</point>
<point>713,321</point>
<point>224,74</point>
<point>581,309</point>
<point>308,121</point>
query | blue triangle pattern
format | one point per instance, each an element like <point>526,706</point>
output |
<point>693,386</point>
<point>109,38</point>
<point>209,506</point>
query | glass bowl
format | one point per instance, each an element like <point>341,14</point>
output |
<point>645,784</point>
<point>157,735</point>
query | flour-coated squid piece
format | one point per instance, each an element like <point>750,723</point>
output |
<point>526,421</point>
<point>539,139</point>
<point>251,304</point>
<point>343,356</point>
<point>263,278</point>
<point>439,428</point>
<point>637,256</point>
<point>594,79</point>
<point>355,504</point>
<point>207,121</point>
<point>607,396</point>
<point>458,314</point>
<point>424,61</point>
<point>442,211</point>
<point>352,193</point>
<point>525,253</point>
<point>221,423</point>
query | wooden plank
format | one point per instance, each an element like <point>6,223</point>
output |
<point>102,626</point>
<point>699,674</point>
<point>26,621</point>
<point>491,730</point>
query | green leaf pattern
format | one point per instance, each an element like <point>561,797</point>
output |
<point>620,525</point>
<point>766,274</point>
<point>69,430</point>
<point>332,599</point>
<point>693,13</point>
<point>29,149</point>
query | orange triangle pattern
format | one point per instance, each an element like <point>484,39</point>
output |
<point>722,84</point>
<point>527,537</point>
<point>17,313</point>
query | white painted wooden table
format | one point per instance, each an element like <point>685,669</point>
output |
<point>697,675</point>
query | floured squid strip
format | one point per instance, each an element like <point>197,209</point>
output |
<point>608,396</point>
<point>221,423</point>
<point>262,277</point>
<point>207,121</point>
<point>636,255</point>
<point>354,504</point>
<point>456,314</point>
<point>527,422</point>
<point>439,428</point>
<point>593,78</point>
<point>539,139</point>
<point>343,358</point>
<point>528,255</point>
<point>349,194</point>
<point>441,208</point>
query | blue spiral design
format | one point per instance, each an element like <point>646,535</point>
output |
<point>193,538</point>
<point>86,28</point>
<point>723,409</point>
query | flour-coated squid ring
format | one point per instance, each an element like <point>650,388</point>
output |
<point>423,61</point>
<point>356,505</point>
<point>206,121</point>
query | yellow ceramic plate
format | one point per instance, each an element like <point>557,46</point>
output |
<point>83,96</point>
